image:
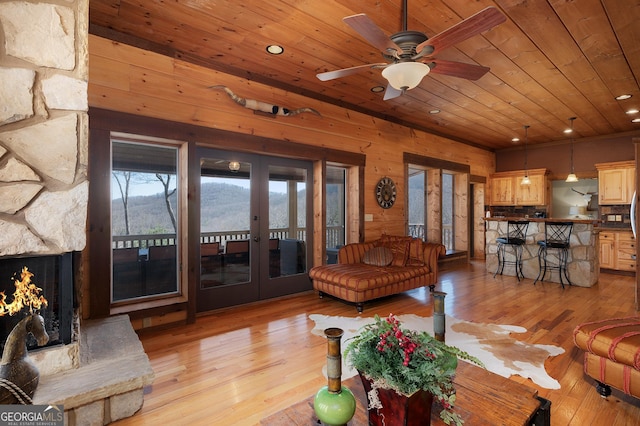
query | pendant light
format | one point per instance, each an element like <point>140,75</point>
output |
<point>525,179</point>
<point>572,176</point>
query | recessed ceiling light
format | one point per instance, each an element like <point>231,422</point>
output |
<point>275,49</point>
<point>622,97</point>
<point>636,120</point>
<point>633,111</point>
<point>377,89</point>
<point>434,111</point>
<point>515,140</point>
<point>567,131</point>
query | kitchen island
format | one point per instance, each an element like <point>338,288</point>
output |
<point>584,259</point>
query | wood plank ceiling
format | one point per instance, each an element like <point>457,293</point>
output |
<point>550,60</point>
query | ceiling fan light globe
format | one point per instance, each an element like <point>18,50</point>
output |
<point>405,75</point>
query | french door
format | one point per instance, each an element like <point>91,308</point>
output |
<point>255,228</point>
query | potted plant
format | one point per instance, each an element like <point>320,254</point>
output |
<point>408,365</point>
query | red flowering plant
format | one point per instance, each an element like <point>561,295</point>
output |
<point>406,361</point>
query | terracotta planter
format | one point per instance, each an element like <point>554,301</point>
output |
<point>399,410</point>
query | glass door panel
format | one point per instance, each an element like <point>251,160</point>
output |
<point>286,203</point>
<point>225,243</point>
<point>287,222</point>
<point>253,228</point>
<point>224,223</point>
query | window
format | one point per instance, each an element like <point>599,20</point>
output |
<point>144,220</point>
<point>417,211</point>
<point>336,210</point>
<point>447,211</point>
<point>438,197</point>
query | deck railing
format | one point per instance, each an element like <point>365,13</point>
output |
<point>418,230</point>
<point>335,237</point>
<point>151,240</point>
<point>143,241</point>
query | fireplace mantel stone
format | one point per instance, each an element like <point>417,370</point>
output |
<point>109,383</point>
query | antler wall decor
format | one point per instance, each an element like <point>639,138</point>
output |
<point>263,106</point>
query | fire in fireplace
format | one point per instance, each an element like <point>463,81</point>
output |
<point>54,275</point>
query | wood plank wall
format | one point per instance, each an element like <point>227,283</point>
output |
<point>134,81</point>
<point>479,190</point>
<point>127,79</point>
<point>434,205</point>
<point>461,210</point>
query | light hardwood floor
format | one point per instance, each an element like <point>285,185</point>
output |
<point>237,366</point>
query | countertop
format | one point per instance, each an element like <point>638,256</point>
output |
<point>550,219</point>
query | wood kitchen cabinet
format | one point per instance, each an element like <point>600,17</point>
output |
<point>617,249</point>
<point>506,188</point>
<point>626,252</point>
<point>607,250</point>
<point>502,193</point>
<point>534,194</point>
<point>616,182</point>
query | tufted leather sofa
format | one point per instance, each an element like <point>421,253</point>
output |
<point>612,353</point>
<point>362,272</point>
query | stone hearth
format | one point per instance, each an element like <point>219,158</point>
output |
<point>108,384</point>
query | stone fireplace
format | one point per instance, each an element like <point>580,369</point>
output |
<point>96,368</point>
<point>43,140</point>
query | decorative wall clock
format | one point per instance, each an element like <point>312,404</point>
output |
<point>386,192</point>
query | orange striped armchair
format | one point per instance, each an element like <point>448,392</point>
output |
<point>367,271</point>
<point>611,353</point>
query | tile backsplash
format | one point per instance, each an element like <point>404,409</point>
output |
<point>617,216</point>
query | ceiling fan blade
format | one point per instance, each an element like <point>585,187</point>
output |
<point>473,25</point>
<point>371,32</point>
<point>391,93</point>
<point>330,75</point>
<point>458,69</point>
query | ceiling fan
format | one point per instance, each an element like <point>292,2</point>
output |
<point>410,55</point>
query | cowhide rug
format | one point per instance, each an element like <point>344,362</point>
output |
<point>490,343</point>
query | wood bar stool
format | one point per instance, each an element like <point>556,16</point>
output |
<point>515,238</point>
<point>556,238</point>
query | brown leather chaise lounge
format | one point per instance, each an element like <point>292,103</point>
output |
<point>367,271</point>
